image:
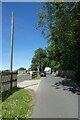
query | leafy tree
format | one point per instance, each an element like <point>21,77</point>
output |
<point>22,68</point>
<point>34,64</point>
<point>60,25</point>
<point>39,60</point>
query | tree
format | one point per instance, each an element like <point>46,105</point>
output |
<point>34,64</point>
<point>60,25</point>
<point>39,60</point>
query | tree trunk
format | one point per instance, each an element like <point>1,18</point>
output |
<point>51,71</point>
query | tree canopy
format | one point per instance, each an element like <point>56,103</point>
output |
<point>22,68</point>
<point>60,23</point>
<point>39,60</point>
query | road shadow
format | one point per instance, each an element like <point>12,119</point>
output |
<point>68,84</point>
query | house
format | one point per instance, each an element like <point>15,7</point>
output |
<point>22,70</point>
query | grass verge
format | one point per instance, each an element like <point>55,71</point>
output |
<point>21,75</point>
<point>36,78</point>
<point>18,105</point>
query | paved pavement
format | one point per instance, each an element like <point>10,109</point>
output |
<point>53,102</point>
<point>29,84</point>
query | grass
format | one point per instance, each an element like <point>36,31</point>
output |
<point>21,74</point>
<point>36,78</point>
<point>7,93</point>
<point>18,105</point>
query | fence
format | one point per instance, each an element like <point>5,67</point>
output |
<point>8,80</point>
<point>67,73</point>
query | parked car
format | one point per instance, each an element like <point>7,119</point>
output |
<point>43,74</point>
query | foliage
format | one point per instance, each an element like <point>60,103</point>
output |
<point>60,25</point>
<point>39,60</point>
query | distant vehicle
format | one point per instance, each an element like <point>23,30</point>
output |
<point>43,74</point>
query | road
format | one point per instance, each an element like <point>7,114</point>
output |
<point>54,101</point>
<point>22,78</point>
<point>24,82</point>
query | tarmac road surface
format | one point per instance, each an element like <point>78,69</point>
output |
<point>54,102</point>
<point>22,78</point>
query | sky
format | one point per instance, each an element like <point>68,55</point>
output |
<point>26,38</point>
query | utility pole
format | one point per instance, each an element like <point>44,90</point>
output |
<point>11,47</point>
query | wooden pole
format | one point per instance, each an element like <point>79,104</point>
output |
<point>11,47</point>
<point>12,37</point>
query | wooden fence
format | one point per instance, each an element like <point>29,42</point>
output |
<point>8,80</point>
<point>66,73</point>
